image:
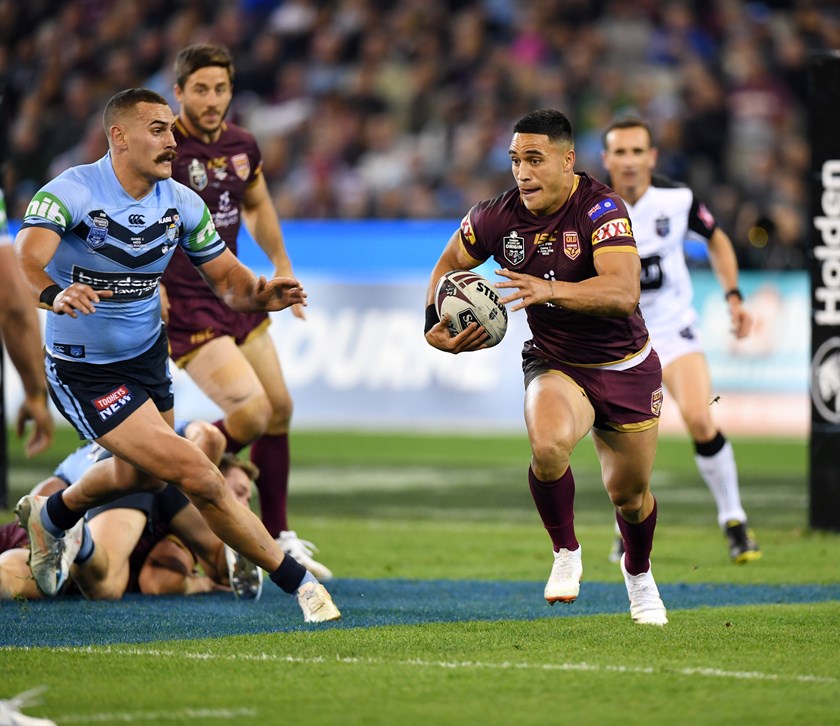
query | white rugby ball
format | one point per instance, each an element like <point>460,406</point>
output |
<point>469,298</point>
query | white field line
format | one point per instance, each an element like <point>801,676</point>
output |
<point>452,665</point>
<point>183,714</point>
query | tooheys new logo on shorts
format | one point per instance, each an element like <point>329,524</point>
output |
<point>110,403</point>
<point>125,285</point>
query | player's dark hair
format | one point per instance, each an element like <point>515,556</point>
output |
<point>126,100</point>
<point>202,55</point>
<point>232,461</point>
<point>627,122</point>
<point>546,122</point>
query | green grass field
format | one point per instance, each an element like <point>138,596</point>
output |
<point>458,508</point>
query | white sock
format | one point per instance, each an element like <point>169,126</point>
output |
<point>721,476</point>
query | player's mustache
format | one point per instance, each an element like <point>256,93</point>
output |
<point>166,156</point>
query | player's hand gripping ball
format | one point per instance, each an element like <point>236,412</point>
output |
<point>469,298</point>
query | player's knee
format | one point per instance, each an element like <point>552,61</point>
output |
<point>204,486</point>
<point>281,417</point>
<point>629,505</point>
<point>550,459</point>
<point>250,421</point>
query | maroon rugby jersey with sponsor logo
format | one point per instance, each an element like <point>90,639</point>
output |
<point>561,246</point>
<point>220,172</point>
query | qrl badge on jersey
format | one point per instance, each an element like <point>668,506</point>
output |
<point>514,248</point>
<point>198,175</point>
<point>571,245</point>
<point>241,165</point>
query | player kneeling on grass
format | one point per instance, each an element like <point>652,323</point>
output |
<point>566,245</point>
<point>94,244</point>
<point>146,543</point>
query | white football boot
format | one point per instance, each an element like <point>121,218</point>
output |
<point>50,557</point>
<point>564,581</point>
<point>646,607</point>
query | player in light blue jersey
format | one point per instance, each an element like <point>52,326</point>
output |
<point>93,245</point>
<point>20,332</point>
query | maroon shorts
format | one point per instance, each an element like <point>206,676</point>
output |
<point>626,400</point>
<point>196,321</point>
<point>12,536</point>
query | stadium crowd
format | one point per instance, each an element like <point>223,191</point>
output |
<point>367,108</point>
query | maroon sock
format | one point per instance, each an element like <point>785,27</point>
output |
<point>232,446</point>
<point>555,502</point>
<point>271,455</point>
<point>638,542</point>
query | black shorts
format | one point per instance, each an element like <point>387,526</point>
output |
<point>159,507</point>
<point>97,398</point>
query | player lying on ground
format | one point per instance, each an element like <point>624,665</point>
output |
<point>147,543</point>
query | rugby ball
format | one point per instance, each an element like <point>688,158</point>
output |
<point>469,298</point>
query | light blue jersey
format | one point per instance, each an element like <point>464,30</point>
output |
<point>111,241</point>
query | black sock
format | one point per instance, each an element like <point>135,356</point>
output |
<point>289,575</point>
<point>60,514</point>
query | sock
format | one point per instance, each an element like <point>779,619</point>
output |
<point>86,550</point>
<point>270,453</point>
<point>232,446</point>
<point>716,464</point>
<point>555,502</point>
<point>638,542</point>
<point>290,575</point>
<point>57,517</point>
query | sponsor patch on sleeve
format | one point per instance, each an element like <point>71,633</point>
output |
<point>467,233</point>
<point>601,208</point>
<point>614,228</point>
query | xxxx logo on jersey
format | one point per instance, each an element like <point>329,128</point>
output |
<point>615,228</point>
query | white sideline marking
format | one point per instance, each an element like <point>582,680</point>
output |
<point>505,665</point>
<point>180,715</point>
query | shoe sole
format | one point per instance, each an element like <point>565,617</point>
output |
<point>564,599</point>
<point>745,557</point>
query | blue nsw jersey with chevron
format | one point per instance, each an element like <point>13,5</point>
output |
<point>111,241</point>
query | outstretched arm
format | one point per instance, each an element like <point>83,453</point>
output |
<point>243,291</point>
<point>263,223</point>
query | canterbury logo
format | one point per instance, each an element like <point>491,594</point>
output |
<point>136,219</point>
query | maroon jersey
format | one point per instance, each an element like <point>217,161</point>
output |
<point>12,536</point>
<point>561,246</point>
<point>220,172</point>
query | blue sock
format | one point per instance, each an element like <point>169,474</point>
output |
<point>290,575</point>
<point>88,545</point>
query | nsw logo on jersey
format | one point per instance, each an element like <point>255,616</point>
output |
<point>514,248</point>
<point>663,226</point>
<point>98,233</point>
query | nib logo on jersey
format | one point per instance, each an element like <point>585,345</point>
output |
<point>109,404</point>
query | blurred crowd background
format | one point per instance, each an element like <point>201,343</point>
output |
<point>404,109</point>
